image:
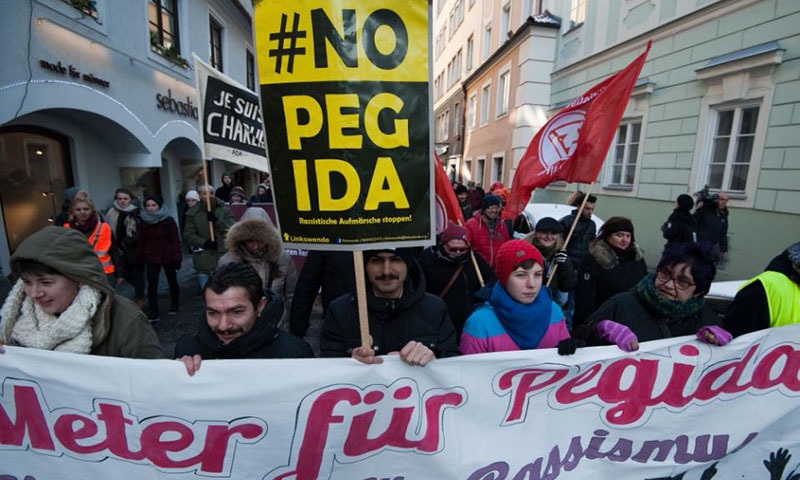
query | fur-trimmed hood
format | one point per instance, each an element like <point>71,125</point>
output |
<point>254,229</point>
<point>608,258</point>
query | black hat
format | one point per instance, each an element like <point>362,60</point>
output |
<point>156,198</point>
<point>406,254</point>
<point>490,201</point>
<point>549,224</point>
<point>461,189</point>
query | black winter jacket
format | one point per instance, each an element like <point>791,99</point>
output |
<point>264,340</point>
<point>460,297</point>
<point>680,227</point>
<point>330,273</point>
<point>604,274</point>
<point>628,309</point>
<point>585,231</point>
<point>416,315</point>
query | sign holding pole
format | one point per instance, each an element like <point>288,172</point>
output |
<point>344,86</point>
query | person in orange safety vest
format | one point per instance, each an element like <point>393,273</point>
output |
<point>83,217</point>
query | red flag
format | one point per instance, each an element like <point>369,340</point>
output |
<point>572,145</point>
<point>447,207</point>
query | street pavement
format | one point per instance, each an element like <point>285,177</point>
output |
<point>190,310</point>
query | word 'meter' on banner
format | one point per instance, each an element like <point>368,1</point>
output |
<point>344,89</point>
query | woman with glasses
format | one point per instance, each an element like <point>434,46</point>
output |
<point>669,303</point>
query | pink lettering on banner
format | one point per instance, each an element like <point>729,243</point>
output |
<point>110,431</point>
<point>368,421</point>
<point>629,388</point>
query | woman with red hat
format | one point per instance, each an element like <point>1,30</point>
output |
<point>519,314</point>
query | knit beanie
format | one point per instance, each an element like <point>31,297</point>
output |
<point>461,189</point>
<point>549,224</point>
<point>490,201</point>
<point>238,191</point>
<point>793,253</point>
<point>511,254</point>
<point>156,198</point>
<point>453,232</point>
<point>616,224</point>
<point>406,254</point>
<point>192,195</point>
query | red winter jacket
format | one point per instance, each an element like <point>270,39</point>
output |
<point>482,240</point>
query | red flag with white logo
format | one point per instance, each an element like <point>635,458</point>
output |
<point>572,145</point>
<point>447,207</point>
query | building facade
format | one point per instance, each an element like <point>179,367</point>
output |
<point>102,95</point>
<point>717,104</point>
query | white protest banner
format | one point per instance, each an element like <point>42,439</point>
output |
<point>230,119</point>
<point>675,409</point>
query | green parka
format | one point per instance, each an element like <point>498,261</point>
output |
<point>195,233</point>
<point>119,328</point>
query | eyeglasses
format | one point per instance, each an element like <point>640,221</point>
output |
<point>681,283</point>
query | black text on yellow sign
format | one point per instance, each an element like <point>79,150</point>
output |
<point>347,114</point>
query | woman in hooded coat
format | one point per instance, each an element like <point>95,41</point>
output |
<point>63,302</point>
<point>255,240</point>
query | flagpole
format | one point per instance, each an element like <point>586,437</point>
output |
<point>572,229</point>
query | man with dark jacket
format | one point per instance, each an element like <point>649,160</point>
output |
<point>450,273</point>
<point>681,226</point>
<point>578,247</point>
<point>403,318</point>
<point>241,321</point>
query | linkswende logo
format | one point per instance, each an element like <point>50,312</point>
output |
<point>347,424</point>
<point>628,389</point>
<point>560,139</point>
<point>170,444</point>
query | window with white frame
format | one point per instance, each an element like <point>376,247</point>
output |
<point>531,7</point>
<point>479,170</point>
<point>505,22</point>
<point>250,64</point>
<point>732,147</point>
<point>468,169</point>
<point>487,41</point>
<point>456,119</point>
<point>577,12</point>
<point>497,168</point>
<point>456,16</point>
<point>470,48</point>
<point>473,100</point>
<point>485,98</point>
<point>215,43</point>
<point>624,154</point>
<point>503,90</point>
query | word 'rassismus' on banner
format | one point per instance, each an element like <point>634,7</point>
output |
<point>348,132</point>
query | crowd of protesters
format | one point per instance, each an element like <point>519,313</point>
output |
<point>486,286</point>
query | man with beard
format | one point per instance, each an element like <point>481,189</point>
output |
<point>450,273</point>
<point>241,321</point>
<point>403,318</point>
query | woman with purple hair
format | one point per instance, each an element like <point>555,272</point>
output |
<point>668,303</point>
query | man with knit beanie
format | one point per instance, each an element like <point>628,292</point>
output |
<point>403,318</point>
<point>450,273</point>
<point>486,231</point>
<point>519,314</point>
<point>681,227</point>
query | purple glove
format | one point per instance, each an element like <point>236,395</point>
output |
<point>723,336</point>
<point>618,334</point>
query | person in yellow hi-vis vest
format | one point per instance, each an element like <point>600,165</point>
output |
<point>770,299</point>
<point>83,218</point>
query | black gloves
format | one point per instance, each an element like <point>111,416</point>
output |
<point>568,346</point>
<point>561,257</point>
<point>211,217</point>
<point>210,245</point>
